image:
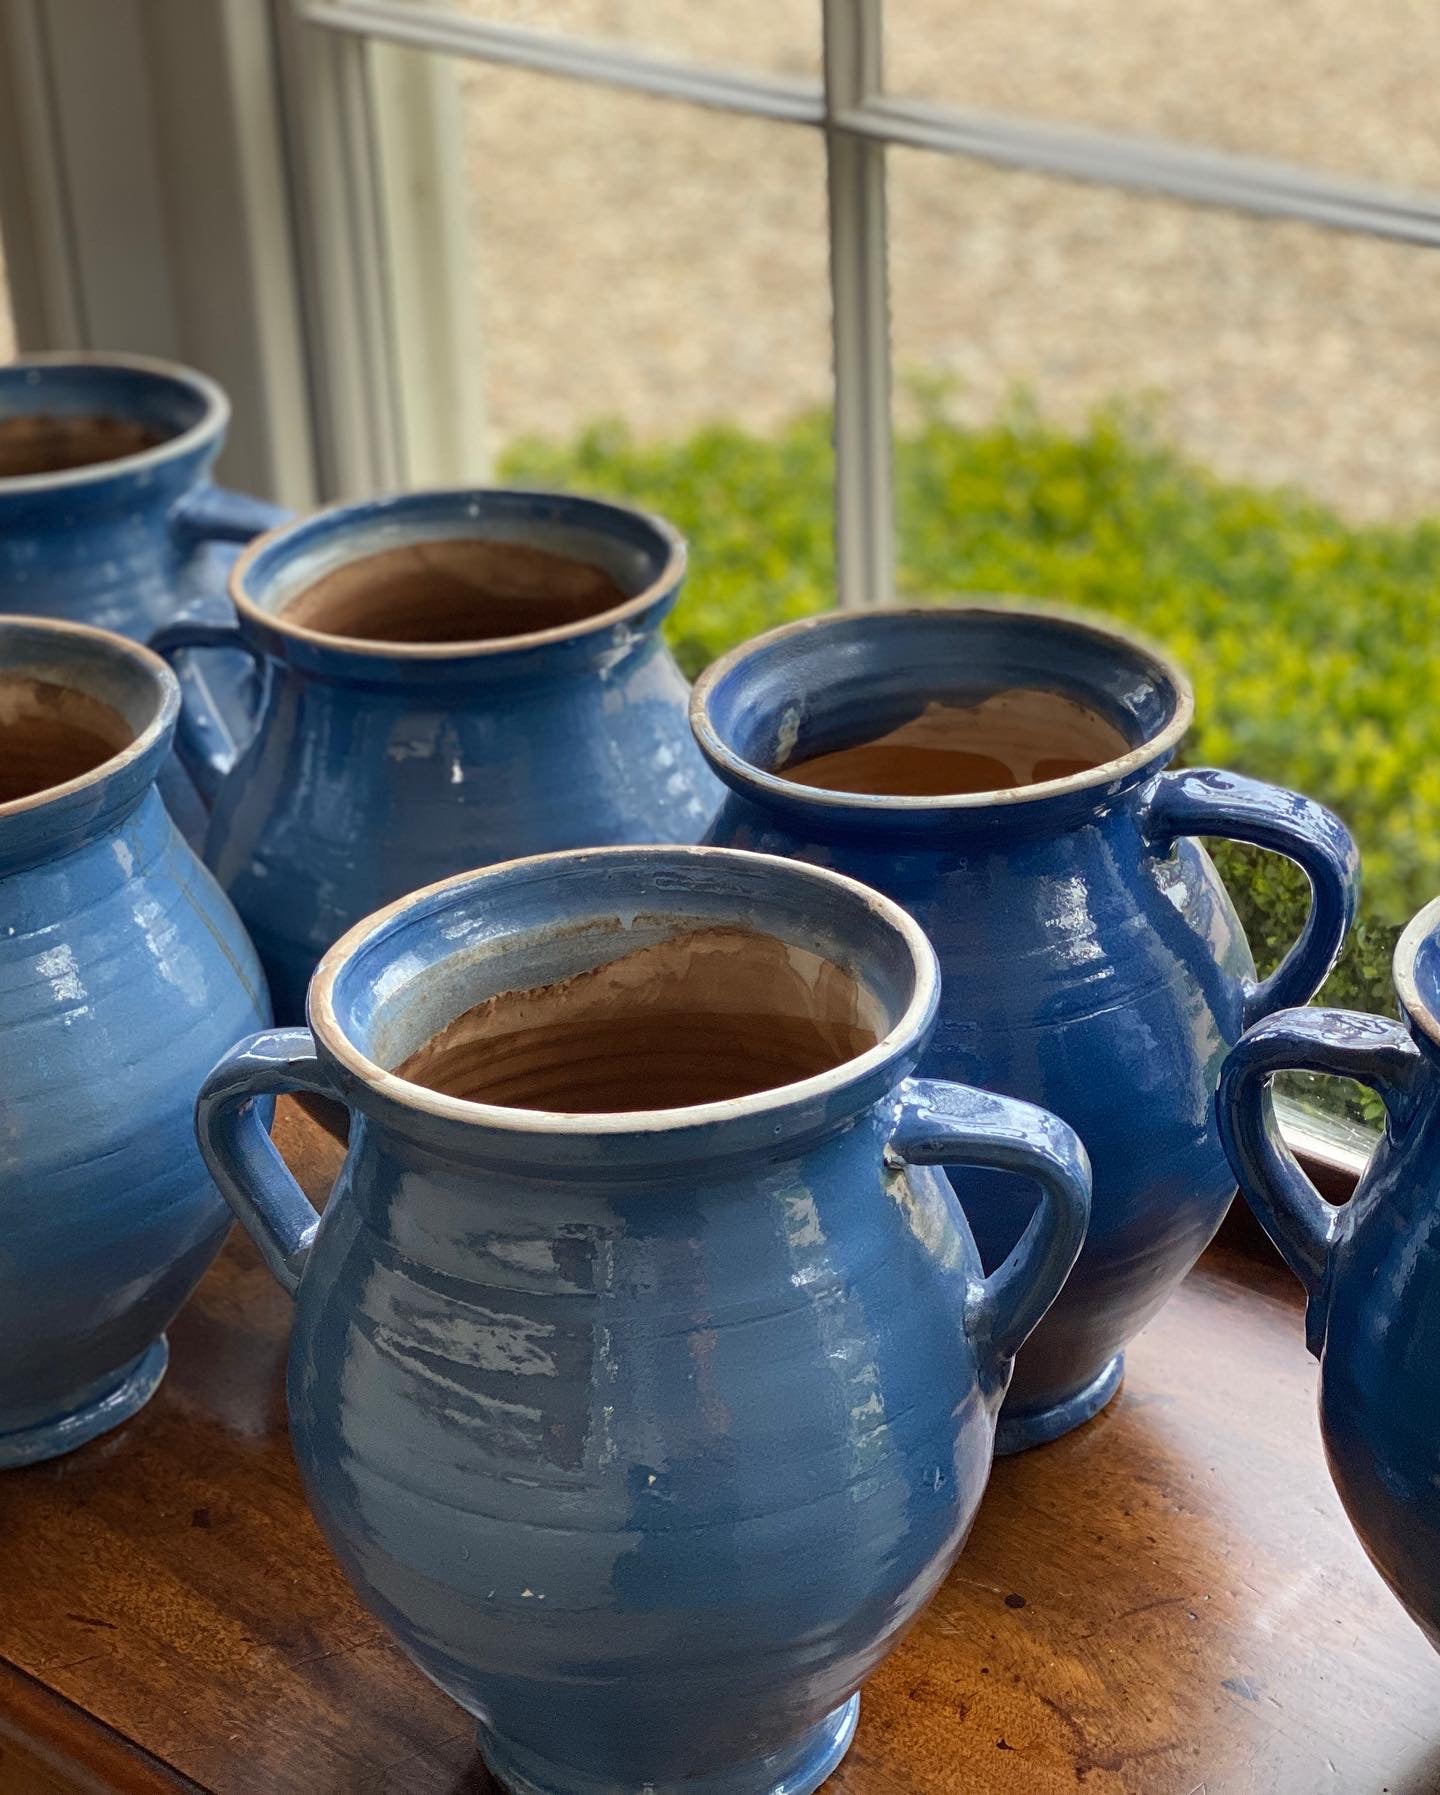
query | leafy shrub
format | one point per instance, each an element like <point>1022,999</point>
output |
<point>1311,641</point>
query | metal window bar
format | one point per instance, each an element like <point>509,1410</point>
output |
<point>859,120</point>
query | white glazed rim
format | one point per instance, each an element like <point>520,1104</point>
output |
<point>677,557</point>
<point>167,710</point>
<point>1420,927</point>
<point>324,1024</point>
<point>747,773</point>
<point>213,421</point>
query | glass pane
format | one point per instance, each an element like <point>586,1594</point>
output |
<point>1217,430</point>
<point>782,37</point>
<point>1321,83</point>
<point>652,298</point>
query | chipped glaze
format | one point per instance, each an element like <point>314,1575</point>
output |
<point>1371,1268</point>
<point>123,973</point>
<point>379,767</point>
<point>128,544</point>
<point>646,1433</point>
<point>1090,957</point>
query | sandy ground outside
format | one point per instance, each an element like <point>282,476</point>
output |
<point>665,265</point>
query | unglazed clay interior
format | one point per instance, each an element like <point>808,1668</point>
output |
<point>453,589</point>
<point>56,442</point>
<point>1021,736</point>
<point>702,1016</point>
<point>51,733</point>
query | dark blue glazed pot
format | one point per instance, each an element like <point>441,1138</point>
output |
<point>1090,958</point>
<point>123,974</point>
<point>1371,1268</point>
<point>128,542</point>
<point>646,1432</point>
<point>381,765</point>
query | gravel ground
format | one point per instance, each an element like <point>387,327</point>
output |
<point>665,265</point>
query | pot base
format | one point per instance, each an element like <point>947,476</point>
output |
<point>49,1439</point>
<point>1018,1433</point>
<point>798,1770</point>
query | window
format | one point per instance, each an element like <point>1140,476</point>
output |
<point>875,297</point>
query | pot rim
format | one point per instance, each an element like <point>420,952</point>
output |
<point>744,773</point>
<point>167,707</point>
<point>211,424</point>
<point>906,1032</point>
<point>670,575</point>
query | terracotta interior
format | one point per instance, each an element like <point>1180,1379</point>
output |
<point>50,734</point>
<point>49,443</point>
<point>703,1016</point>
<point>1012,738</point>
<point>463,589</point>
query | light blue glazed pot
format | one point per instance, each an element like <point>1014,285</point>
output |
<point>128,544</point>
<point>381,766</point>
<point>647,1433</point>
<point>1371,1268</point>
<point>123,974</point>
<point>1090,958</point>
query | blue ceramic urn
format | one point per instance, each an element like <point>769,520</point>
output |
<point>450,679</point>
<point>1090,958</point>
<point>123,974</point>
<point>1370,1268</point>
<point>647,1426</point>
<point>108,514</point>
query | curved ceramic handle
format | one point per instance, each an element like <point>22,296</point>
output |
<point>954,1124</point>
<point>1203,801</point>
<point>216,514</point>
<point>1293,1213</point>
<point>253,1179</point>
<point>203,739</point>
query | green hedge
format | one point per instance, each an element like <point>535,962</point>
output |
<point>1312,641</point>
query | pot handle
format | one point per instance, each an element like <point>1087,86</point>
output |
<point>203,739</point>
<point>1205,801</point>
<point>218,514</point>
<point>244,1162</point>
<point>954,1124</point>
<point>1292,1212</point>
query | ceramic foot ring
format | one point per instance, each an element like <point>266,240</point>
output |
<point>1018,1433</point>
<point>32,1445</point>
<point>798,1770</point>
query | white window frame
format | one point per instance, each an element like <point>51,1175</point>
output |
<point>143,204</point>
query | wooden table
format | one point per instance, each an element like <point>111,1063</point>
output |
<point>1169,1602</point>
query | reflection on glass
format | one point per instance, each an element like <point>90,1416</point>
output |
<point>1320,83</point>
<point>1216,431</point>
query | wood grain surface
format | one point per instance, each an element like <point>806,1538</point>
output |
<point>1169,1602</point>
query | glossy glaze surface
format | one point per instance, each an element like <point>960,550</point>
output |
<point>647,1434</point>
<point>124,972</point>
<point>378,769</point>
<point>1371,1269</point>
<point>1090,958</point>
